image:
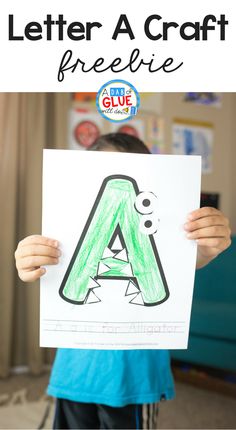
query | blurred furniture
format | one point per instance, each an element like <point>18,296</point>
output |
<point>212,339</point>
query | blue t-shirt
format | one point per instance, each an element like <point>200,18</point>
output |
<point>113,378</point>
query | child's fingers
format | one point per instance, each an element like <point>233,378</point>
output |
<point>34,250</point>
<point>32,253</point>
<point>32,275</point>
<point>206,222</point>
<point>215,231</point>
<point>210,228</point>
<point>204,212</point>
<point>214,243</point>
<point>37,239</point>
<point>29,263</point>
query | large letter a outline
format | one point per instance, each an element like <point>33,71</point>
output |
<point>112,245</point>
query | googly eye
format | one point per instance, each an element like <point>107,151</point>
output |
<point>148,225</point>
<point>146,202</point>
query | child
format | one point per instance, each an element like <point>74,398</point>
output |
<point>121,388</point>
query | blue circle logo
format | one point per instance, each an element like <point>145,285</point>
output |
<point>118,101</point>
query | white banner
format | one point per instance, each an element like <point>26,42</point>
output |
<point>156,46</point>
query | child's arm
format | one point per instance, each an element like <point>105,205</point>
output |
<point>210,228</point>
<point>34,252</point>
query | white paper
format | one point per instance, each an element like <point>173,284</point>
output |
<point>71,183</point>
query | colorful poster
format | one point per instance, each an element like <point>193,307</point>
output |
<point>84,128</point>
<point>209,99</point>
<point>155,134</point>
<point>193,138</point>
<point>85,98</point>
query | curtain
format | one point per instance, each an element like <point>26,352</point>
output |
<point>29,122</point>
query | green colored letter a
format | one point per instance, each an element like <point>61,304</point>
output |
<point>97,256</point>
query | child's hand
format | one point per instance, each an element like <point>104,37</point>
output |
<point>34,252</point>
<point>210,228</point>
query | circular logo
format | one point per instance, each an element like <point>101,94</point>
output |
<point>117,101</point>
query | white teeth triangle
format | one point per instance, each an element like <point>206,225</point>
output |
<point>103,268</point>
<point>92,298</point>
<point>131,289</point>
<point>137,300</point>
<point>117,244</point>
<point>93,284</point>
<point>108,253</point>
<point>122,255</point>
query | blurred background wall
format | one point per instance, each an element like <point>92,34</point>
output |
<point>223,178</point>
